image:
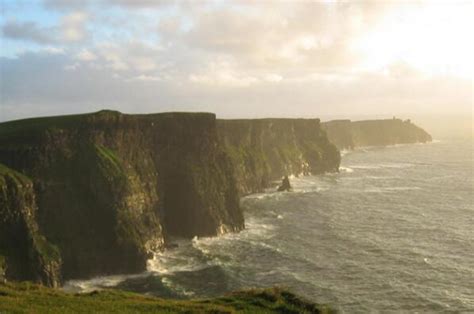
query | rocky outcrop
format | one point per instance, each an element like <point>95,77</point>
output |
<point>264,150</point>
<point>24,251</point>
<point>346,134</point>
<point>3,268</point>
<point>108,189</point>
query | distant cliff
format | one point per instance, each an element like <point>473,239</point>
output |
<point>263,150</point>
<point>346,134</point>
<point>97,193</point>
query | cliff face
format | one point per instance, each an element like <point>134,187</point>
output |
<point>346,134</point>
<point>24,251</point>
<point>263,150</point>
<point>96,194</point>
<point>109,188</point>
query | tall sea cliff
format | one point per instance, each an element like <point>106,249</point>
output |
<point>97,194</point>
<point>263,150</point>
<point>107,189</point>
<point>347,134</point>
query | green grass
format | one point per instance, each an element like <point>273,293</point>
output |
<point>28,126</point>
<point>48,251</point>
<point>109,157</point>
<point>17,177</point>
<point>75,121</point>
<point>31,298</point>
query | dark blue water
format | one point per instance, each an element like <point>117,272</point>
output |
<point>393,231</point>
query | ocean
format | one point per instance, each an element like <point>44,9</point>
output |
<point>392,232</point>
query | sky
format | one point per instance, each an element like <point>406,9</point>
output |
<point>236,58</point>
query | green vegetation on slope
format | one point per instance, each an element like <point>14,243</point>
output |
<point>30,298</point>
<point>263,150</point>
<point>24,251</point>
<point>17,177</point>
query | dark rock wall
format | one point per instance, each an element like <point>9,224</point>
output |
<point>346,134</point>
<point>263,150</point>
<point>110,187</point>
<point>24,251</point>
<point>339,133</point>
<point>96,194</point>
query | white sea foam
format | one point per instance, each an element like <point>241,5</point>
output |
<point>98,283</point>
<point>382,165</point>
<point>344,152</point>
<point>170,284</point>
<point>270,193</point>
<point>365,167</point>
<point>346,169</point>
<point>179,259</point>
<point>391,189</point>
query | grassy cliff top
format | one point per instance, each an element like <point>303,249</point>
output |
<point>75,121</point>
<point>267,119</point>
<point>30,298</point>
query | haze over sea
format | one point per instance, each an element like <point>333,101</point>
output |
<point>391,232</point>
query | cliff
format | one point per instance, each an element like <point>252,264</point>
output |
<point>96,194</point>
<point>24,251</point>
<point>263,150</point>
<point>346,134</point>
<point>103,191</point>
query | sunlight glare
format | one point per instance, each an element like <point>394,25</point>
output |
<point>434,39</point>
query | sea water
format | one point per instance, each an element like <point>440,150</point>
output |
<point>393,231</point>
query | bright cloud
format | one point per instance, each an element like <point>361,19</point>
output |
<point>236,58</point>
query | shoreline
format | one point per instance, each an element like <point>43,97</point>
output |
<point>110,281</point>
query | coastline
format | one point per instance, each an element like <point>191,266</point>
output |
<point>142,205</point>
<point>105,282</point>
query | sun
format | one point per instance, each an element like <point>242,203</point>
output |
<point>433,38</point>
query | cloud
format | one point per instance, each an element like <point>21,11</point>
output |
<point>86,55</point>
<point>275,58</point>
<point>133,56</point>
<point>307,36</point>
<point>140,4</point>
<point>146,78</point>
<point>27,31</point>
<point>66,5</point>
<point>43,82</point>
<point>73,26</point>
<point>170,28</point>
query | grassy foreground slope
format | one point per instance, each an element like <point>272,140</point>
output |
<point>31,298</point>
